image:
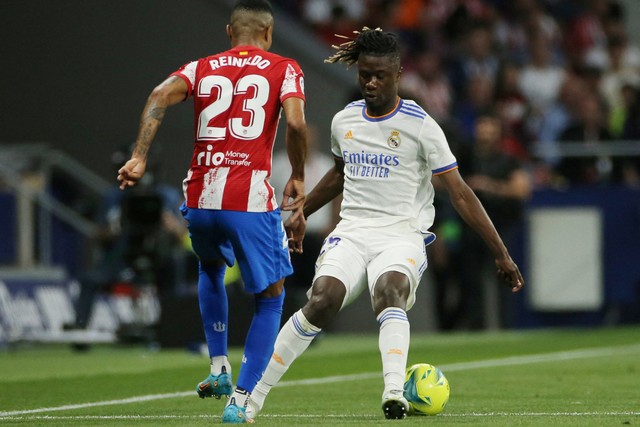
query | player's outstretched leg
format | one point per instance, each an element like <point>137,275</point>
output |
<point>294,338</point>
<point>257,351</point>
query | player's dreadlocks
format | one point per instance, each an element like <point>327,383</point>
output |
<point>368,42</point>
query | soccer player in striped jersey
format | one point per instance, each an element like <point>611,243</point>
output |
<point>386,150</point>
<point>230,206</point>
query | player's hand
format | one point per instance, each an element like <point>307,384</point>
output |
<point>131,172</point>
<point>295,227</point>
<point>293,197</point>
<point>508,272</point>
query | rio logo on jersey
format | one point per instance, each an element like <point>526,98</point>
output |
<point>229,158</point>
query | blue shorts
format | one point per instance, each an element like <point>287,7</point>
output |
<point>257,240</point>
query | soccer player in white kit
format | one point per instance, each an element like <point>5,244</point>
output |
<point>386,150</point>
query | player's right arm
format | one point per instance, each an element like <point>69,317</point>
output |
<point>332,183</point>
<point>329,187</point>
<point>170,92</point>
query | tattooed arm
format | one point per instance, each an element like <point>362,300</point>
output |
<point>170,92</point>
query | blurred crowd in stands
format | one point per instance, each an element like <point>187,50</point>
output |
<point>532,94</point>
<point>552,70</point>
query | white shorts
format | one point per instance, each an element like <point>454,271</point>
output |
<point>359,256</point>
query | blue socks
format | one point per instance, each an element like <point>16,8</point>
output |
<point>214,308</point>
<point>260,339</point>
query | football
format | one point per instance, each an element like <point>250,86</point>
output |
<point>426,388</point>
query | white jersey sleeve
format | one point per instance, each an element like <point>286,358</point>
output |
<point>436,148</point>
<point>440,159</point>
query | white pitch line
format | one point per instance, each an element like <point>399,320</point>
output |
<point>490,363</point>
<point>540,358</point>
<point>135,399</point>
<point>321,416</point>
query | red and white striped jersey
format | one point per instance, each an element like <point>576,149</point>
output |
<point>238,96</point>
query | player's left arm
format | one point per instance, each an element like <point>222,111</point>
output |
<point>294,191</point>
<point>170,92</point>
<point>473,213</point>
<point>296,145</point>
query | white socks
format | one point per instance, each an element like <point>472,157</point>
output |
<point>393,342</point>
<point>293,339</point>
<point>240,398</point>
<point>296,336</point>
<point>217,362</point>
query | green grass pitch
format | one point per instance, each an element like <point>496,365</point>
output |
<point>565,377</point>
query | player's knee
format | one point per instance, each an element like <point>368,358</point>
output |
<point>274,290</point>
<point>324,304</point>
<point>390,295</point>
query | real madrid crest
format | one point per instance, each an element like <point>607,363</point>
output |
<point>394,139</point>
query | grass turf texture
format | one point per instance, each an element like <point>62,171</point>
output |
<point>576,377</point>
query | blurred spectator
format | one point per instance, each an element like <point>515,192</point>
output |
<point>435,18</point>
<point>381,13</point>
<point>478,98</point>
<point>540,80</point>
<point>139,241</point>
<point>589,129</point>
<point>520,18</point>
<point>619,113</point>
<point>560,115</point>
<point>630,166</point>
<point>408,15</point>
<point>503,186</point>
<point>599,56</point>
<point>330,17</point>
<point>585,31</point>
<point>477,58</point>
<point>319,12</point>
<point>512,108</point>
<point>428,85</point>
<point>618,74</point>
<point>460,15</point>
<point>408,19</point>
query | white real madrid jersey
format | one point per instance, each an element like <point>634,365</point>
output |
<point>388,164</point>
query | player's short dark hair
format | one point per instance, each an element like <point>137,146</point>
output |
<point>367,42</point>
<point>253,6</point>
